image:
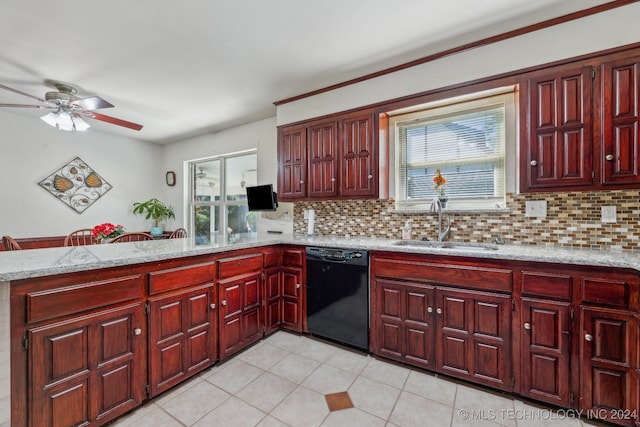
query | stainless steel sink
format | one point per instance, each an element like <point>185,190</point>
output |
<point>447,245</point>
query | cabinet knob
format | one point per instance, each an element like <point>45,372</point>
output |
<point>534,163</point>
<point>223,302</point>
<point>527,326</point>
<point>439,310</point>
<point>609,157</point>
<point>137,331</point>
<point>370,176</point>
<point>213,306</point>
<point>297,285</point>
<point>333,180</point>
<point>301,181</point>
<point>429,310</point>
<point>588,337</point>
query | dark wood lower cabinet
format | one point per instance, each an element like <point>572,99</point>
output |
<point>609,350</point>
<point>462,333</point>
<point>292,281</point>
<point>402,324</point>
<point>182,336</point>
<point>473,336</point>
<point>240,312</point>
<point>545,350</point>
<point>272,300</point>
<point>87,370</point>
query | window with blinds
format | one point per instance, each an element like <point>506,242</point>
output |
<point>466,143</point>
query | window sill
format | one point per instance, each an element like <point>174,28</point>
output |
<point>454,210</point>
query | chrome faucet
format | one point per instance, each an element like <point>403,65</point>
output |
<point>436,206</point>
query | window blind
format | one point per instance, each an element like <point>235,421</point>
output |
<point>467,146</point>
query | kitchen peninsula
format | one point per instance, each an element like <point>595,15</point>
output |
<point>77,293</point>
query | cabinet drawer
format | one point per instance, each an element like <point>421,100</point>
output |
<point>49,304</point>
<point>605,291</point>
<point>546,284</point>
<point>271,258</point>
<point>180,277</point>
<point>233,266</point>
<point>293,257</point>
<point>469,276</point>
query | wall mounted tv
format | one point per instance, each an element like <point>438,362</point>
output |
<point>262,198</point>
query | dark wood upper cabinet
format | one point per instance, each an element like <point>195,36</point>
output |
<point>359,156</point>
<point>557,139</point>
<point>292,163</point>
<point>326,159</point>
<point>323,160</point>
<point>620,132</point>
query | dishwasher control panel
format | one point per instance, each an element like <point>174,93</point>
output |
<point>337,255</point>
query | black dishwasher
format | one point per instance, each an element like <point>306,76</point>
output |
<point>338,295</point>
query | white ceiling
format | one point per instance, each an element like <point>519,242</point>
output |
<point>188,68</point>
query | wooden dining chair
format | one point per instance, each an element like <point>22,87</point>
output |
<point>81,237</point>
<point>178,233</point>
<point>10,244</point>
<point>132,237</point>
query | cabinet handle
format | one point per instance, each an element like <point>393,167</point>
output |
<point>527,326</point>
<point>439,310</point>
<point>609,157</point>
<point>213,306</point>
<point>370,176</point>
<point>223,302</point>
<point>429,310</point>
<point>534,163</point>
<point>588,337</point>
<point>137,331</point>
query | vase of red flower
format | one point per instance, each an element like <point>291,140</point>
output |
<point>439,184</point>
<point>106,232</point>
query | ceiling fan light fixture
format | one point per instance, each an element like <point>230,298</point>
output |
<point>64,120</point>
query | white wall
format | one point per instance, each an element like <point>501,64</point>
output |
<point>30,150</point>
<point>260,135</point>
<point>613,28</point>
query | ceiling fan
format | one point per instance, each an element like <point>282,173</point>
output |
<point>68,110</point>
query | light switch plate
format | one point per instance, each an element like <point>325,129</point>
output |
<point>536,208</point>
<point>608,214</point>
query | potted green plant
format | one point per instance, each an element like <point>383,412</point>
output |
<point>157,211</point>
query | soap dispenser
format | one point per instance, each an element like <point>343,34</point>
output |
<point>406,230</point>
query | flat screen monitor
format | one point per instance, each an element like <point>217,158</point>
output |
<point>262,198</point>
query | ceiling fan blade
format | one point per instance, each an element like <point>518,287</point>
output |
<point>92,103</point>
<point>112,120</point>
<point>27,106</point>
<point>22,93</point>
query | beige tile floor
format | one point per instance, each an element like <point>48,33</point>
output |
<point>282,381</point>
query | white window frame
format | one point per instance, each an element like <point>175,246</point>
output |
<point>223,203</point>
<point>507,96</point>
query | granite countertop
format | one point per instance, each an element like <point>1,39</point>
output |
<point>43,262</point>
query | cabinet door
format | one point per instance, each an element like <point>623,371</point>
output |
<point>358,153</point>
<point>273,300</point>
<point>402,323</point>
<point>473,336</point>
<point>292,298</point>
<point>292,164</point>
<point>608,349</point>
<point>546,351</point>
<point>87,369</point>
<point>323,160</point>
<point>182,336</point>
<point>239,314</point>
<point>557,149</point>
<point>620,117</point>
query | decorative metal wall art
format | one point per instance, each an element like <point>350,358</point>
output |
<point>76,184</point>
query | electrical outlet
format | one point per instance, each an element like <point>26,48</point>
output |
<point>608,214</point>
<point>536,208</point>
<point>306,214</point>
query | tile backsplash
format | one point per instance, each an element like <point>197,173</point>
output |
<point>573,220</point>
